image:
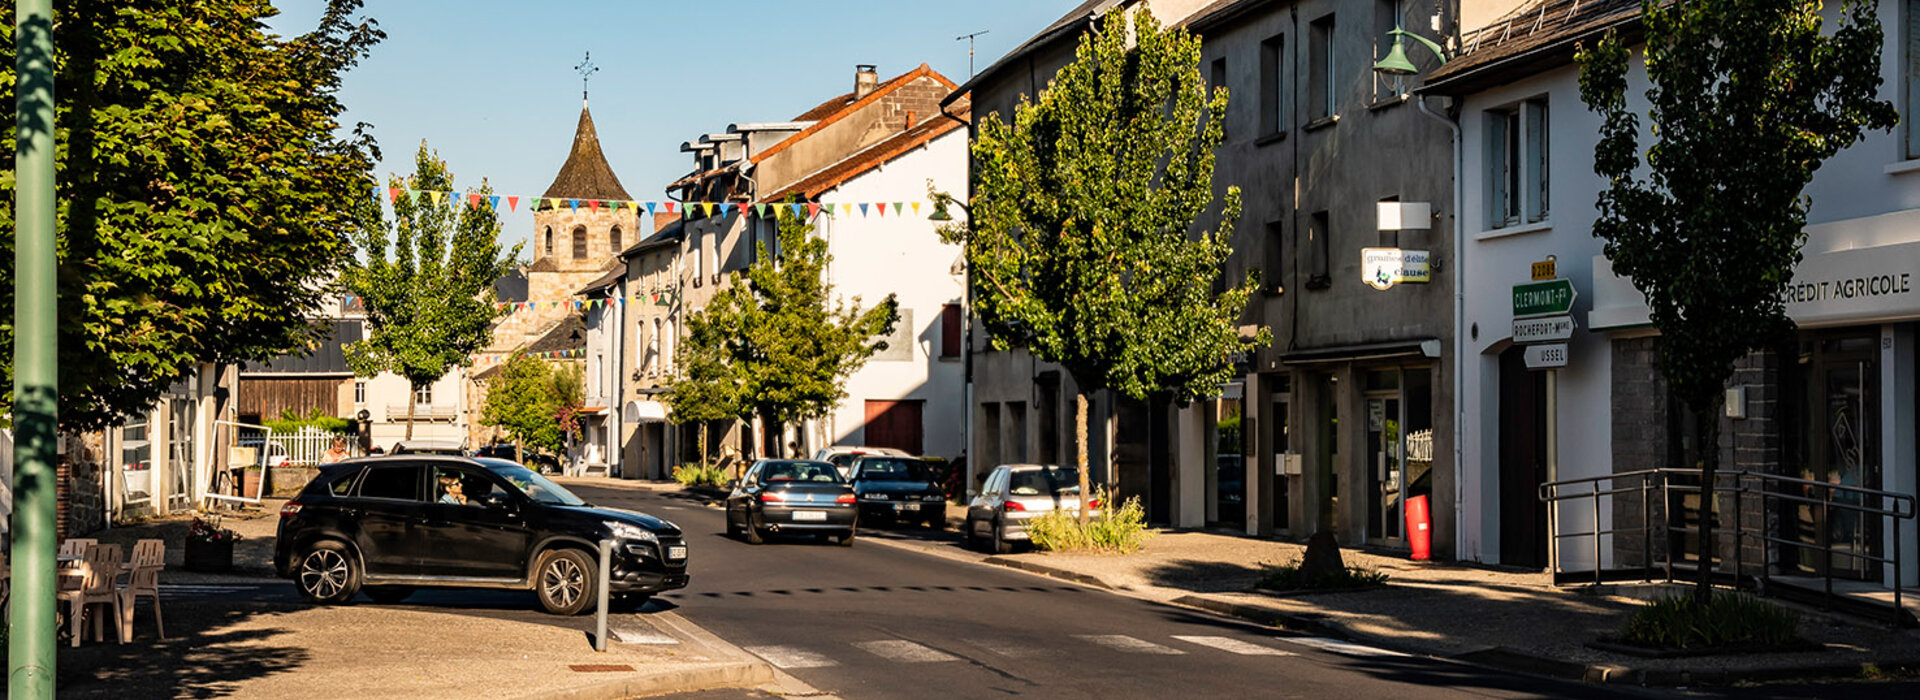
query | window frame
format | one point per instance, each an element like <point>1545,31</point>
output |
<point>1323,91</point>
<point>1274,110</point>
<point>1517,163</point>
<point>580,242</point>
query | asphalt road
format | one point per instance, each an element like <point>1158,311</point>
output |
<point>873,621</point>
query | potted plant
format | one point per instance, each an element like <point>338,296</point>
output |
<point>209,544</point>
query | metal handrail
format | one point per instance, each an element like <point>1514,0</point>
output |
<point>1769,488</point>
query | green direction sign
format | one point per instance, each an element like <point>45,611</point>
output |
<point>1549,298</point>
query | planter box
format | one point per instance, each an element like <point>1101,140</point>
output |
<point>209,556</point>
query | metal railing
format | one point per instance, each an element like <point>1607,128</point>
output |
<point>1768,492</point>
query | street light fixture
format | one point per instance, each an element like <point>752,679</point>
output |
<point>1396,62</point>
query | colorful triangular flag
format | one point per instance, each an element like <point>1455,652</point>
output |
<point>863,208</point>
<point>513,202</point>
<point>493,202</point>
<point>393,195</point>
<point>916,208</point>
<point>435,196</point>
<point>846,209</point>
<point>760,210</point>
<point>883,208</point>
<point>798,210</point>
<point>899,209</point>
<point>650,208</point>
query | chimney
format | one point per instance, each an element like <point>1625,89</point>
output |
<point>865,80</point>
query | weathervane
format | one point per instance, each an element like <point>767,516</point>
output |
<point>586,69</point>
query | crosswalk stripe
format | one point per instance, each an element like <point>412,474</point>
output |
<point>1125,643</point>
<point>791,657</point>
<point>1233,645</point>
<point>1340,647</point>
<point>903,651</point>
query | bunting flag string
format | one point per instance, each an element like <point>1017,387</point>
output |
<point>501,203</point>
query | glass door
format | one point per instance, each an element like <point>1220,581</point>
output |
<point>1841,434</point>
<point>1385,465</point>
<point>1230,462</point>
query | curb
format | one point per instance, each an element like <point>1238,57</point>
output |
<point>1045,570</point>
<point>745,671</point>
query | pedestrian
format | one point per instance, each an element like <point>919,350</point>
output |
<point>337,452</point>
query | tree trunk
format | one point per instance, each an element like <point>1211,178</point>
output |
<point>519,452</point>
<point>1080,435</point>
<point>1707,418</point>
<point>413,402</point>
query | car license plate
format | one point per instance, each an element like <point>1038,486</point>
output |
<point>906,506</point>
<point>809,515</point>
<point>678,551</point>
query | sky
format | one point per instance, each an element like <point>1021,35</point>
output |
<point>491,86</point>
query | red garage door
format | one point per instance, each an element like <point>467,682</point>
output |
<point>894,424</point>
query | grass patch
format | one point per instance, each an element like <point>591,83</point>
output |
<point>1289,577</point>
<point>700,475</point>
<point>1726,620</point>
<point>1120,530</point>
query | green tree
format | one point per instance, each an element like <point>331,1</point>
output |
<point>522,400</point>
<point>774,343</point>
<point>1747,98</point>
<point>205,186</point>
<point>1080,245</point>
<point>428,289</point>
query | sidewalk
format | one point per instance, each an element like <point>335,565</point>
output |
<point>494,648</point>
<point>1466,612</point>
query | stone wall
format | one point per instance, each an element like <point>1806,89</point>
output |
<point>82,505</point>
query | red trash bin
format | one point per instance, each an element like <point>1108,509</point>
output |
<point>1419,527</point>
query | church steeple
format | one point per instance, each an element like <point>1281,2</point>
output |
<point>586,174</point>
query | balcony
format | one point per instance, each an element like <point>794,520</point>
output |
<point>422,413</point>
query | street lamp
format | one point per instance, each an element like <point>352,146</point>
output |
<point>1396,62</point>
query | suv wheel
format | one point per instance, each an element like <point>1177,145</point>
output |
<point>565,582</point>
<point>327,573</point>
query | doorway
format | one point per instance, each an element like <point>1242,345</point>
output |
<point>1282,444</point>
<point>1839,443</point>
<point>895,424</point>
<point>1385,466</point>
<point>1523,461</point>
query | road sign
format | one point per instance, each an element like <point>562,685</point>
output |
<point>1547,356</point>
<point>1549,298</point>
<point>1538,330</point>
<point>1544,270</point>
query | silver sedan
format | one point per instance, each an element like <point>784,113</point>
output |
<point>1015,494</point>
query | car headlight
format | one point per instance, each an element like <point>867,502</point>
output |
<point>627,531</point>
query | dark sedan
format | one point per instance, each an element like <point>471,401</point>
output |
<point>899,489</point>
<point>792,496</point>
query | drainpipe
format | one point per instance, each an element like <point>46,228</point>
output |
<point>1459,319</point>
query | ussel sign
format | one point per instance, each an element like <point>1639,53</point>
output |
<point>1384,267</point>
<point>1537,330</point>
<point>1546,356</point>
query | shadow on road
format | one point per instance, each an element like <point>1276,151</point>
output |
<point>211,649</point>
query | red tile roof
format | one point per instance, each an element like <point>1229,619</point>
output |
<point>823,122</point>
<point>870,157</point>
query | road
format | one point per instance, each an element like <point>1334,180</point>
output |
<point>876,621</point>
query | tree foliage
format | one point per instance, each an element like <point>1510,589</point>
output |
<point>524,399</point>
<point>775,343</point>
<point>1080,244</point>
<point>1747,99</point>
<point>204,185</point>
<point>427,287</point>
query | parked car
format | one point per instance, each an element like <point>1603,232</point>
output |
<point>429,447</point>
<point>792,496</point>
<point>1015,494</point>
<point>544,463</point>
<point>390,525</point>
<point>842,456</point>
<point>899,489</point>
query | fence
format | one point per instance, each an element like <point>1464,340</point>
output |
<point>1629,495</point>
<point>260,448</point>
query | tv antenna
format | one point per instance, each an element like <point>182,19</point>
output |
<point>969,38</point>
<point>586,69</point>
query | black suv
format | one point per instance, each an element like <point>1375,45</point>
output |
<point>389,525</point>
<point>544,463</point>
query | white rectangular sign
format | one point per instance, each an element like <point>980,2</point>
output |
<point>1546,356</point>
<point>1538,330</point>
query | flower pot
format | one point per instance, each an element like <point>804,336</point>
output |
<point>209,556</point>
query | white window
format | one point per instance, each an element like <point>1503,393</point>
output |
<point>359,393</point>
<point>423,396</point>
<point>653,350</point>
<point>1516,164</point>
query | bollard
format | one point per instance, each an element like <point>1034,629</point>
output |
<point>600,615</point>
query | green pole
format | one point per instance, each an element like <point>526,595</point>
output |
<point>30,660</point>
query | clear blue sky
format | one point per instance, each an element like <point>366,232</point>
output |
<point>490,84</point>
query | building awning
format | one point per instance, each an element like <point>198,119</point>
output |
<point>645,412</point>
<point>1427,347</point>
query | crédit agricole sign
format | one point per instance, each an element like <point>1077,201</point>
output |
<point>1856,284</point>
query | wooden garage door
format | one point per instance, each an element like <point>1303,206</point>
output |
<point>894,424</point>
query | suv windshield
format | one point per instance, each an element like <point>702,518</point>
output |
<point>1048,480</point>
<point>535,486</point>
<point>894,469</point>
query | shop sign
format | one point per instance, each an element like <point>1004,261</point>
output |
<point>1857,284</point>
<point>1384,267</point>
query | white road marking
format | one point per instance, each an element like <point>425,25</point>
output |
<point>1233,645</point>
<point>903,651</point>
<point>1125,643</point>
<point>1339,647</point>
<point>1014,650</point>
<point>791,657</point>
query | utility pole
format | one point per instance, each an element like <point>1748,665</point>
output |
<point>36,370</point>
<point>969,39</point>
